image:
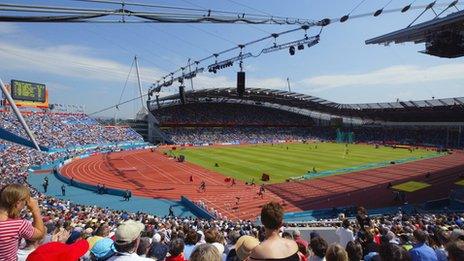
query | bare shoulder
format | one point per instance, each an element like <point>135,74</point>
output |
<point>259,252</point>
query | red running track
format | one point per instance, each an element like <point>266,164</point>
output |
<point>151,174</point>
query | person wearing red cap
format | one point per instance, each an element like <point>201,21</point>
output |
<point>13,198</point>
<point>57,251</point>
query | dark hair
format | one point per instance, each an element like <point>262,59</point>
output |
<point>345,223</point>
<point>355,252</point>
<point>191,238</point>
<point>420,235</point>
<point>455,250</point>
<point>319,246</point>
<point>176,247</point>
<point>287,234</point>
<point>272,215</point>
<point>389,251</point>
<point>211,235</point>
<point>144,245</point>
<point>125,248</point>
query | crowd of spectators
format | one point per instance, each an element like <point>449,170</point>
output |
<point>62,230</point>
<point>236,135</point>
<point>62,130</point>
<point>437,137</point>
<point>230,115</point>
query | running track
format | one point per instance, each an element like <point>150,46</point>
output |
<point>151,174</point>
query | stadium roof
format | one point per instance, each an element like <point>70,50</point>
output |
<point>448,109</point>
<point>419,33</point>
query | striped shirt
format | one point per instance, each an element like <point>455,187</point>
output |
<point>11,231</point>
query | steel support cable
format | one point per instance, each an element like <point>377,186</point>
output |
<point>202,9</point>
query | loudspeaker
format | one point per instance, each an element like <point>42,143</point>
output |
<point>240,83</point>
<point>182,94</point>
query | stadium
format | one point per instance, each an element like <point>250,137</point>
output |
<point>233,173</point>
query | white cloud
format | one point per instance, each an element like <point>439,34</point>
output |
<point>394,75</point>
<point>70,61</point>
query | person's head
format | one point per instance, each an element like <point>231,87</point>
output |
<point>205,252</point>
<point>319,246</point>
<point>389,251</point>
<point>335,252</point>
<point>420,236</point>
<point>233,236</point>
<point>143,246</point>
<point>103,230</point>
<point>158,251</point>
<point>362,211</point>
<point>103,249</point>
<point>57,251</point>
<point>244,246</point>
<point>191,238</point>
<point>176,247</point>
<point>346,223</point>
<point>212,235</point>
<point>354,250</point>
<point>272,215</point>
<point>13,198</point>
<point>128,236</point>
<point>296,233</point>
<point>455,250</point>
<point>287,235</point>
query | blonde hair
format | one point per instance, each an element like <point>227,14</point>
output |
<point>10,195</point>
<point>205,252</point>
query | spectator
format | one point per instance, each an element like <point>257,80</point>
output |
<point>127,241</point>
<point>345,233</point>
<point>57,251</point>
<point>393,252</point>
<point>274,247</point>
<point>13,198</point>
<point>456,250</point>
<point>233,237</point>
<point>244,246</point>
<point>298,239</point>
<point>421,251</point>
<point>319,248</point>
<point>205,252</point>
<point>191,240</point>
<point>354,250</point>
<point>158,251</point>
<point>176,249</point>
<point>103,249</point>
<point>30,246</point>
<point>335,252</point>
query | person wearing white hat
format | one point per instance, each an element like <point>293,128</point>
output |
<point>127,239</point>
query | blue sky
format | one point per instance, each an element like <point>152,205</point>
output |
<point>88,63</point>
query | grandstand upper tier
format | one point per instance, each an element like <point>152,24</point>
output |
<point>256,103</point>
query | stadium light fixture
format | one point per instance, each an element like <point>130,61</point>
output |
<point>291,50</point>
<point>301,47</point>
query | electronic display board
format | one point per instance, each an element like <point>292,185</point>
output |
<point>28,91</point>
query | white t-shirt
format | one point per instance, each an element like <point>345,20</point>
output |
<point>345,235</point>
<point>128,257</point>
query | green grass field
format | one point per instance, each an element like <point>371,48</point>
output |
<point>250,161</point>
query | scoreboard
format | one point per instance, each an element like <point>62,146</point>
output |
<point>28,91</point>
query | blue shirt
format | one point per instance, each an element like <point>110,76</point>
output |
<point>422,252</point>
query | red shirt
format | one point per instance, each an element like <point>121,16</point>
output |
<point>176,258</point>
<point>11,231</point>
